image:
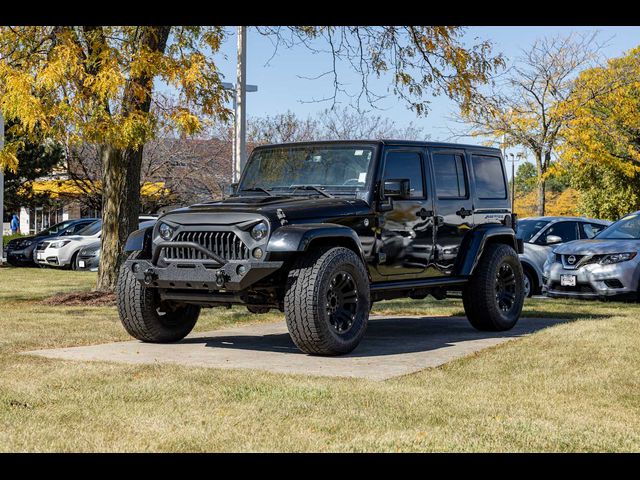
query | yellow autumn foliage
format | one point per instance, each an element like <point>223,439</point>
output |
<point>91,84</point>
<point>557,204</point>
<point>607,120</point>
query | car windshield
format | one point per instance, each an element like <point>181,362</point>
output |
<point>91,229</point>
<point>527,229</point>
<point>627,228</point>
<point>335,168</point>
<point>57,229</point>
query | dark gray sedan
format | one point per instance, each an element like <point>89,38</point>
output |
<point>541,234</point>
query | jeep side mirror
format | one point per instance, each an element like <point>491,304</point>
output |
<point>552,239</point>
<point>400,189</point>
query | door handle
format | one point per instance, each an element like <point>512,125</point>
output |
<point>464,213</point>
<point>423,214</point>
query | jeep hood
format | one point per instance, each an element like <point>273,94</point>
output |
<point>597,247</point>
<point>307,208</point>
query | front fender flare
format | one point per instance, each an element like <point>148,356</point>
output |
<point>474,242</point>
<point>297,238</point>
<point>139,241</point>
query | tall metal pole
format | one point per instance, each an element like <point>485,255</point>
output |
<point>240,121</point>
<point>513,181</point>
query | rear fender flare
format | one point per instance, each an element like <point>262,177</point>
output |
<point>475,241</point>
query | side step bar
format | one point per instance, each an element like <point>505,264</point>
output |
<point>415,284</point>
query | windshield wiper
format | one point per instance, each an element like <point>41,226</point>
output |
<point>257,189</point>
<point>312,187</point>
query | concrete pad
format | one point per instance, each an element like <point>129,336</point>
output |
<point>392,346</point>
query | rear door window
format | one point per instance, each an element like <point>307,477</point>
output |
<point>450,175</point>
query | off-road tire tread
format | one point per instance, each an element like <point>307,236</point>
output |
<point>478,296</point>
<point>136,307</point>
<point>302,296</point>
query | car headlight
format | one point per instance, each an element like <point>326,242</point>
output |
<point>166,232</point>
<point>617,258</point>
<point>259,231</point>
<point>25,243</point>
<point>59,243</point>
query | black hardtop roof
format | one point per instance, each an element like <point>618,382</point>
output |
<point>390,142</point>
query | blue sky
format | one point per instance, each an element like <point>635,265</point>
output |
<point>280,88</point>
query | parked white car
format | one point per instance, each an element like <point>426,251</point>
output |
<point>62,252</point>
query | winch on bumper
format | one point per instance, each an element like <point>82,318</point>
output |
<point>215,274</point>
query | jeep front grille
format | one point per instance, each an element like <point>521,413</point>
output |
<point>225,244</point>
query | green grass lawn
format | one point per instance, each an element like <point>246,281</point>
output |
<point>571,387</point>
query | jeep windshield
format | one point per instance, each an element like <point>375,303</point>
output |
<point>338,169</point>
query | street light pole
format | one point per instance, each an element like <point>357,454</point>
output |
<point>240,89</point>
<point>513,181</point>
<point>240,145</point>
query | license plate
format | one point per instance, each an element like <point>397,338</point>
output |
<point>81,263</point>
<point>568,280</point>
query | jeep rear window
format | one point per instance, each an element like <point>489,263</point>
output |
<point>490,181</point>
<point>337,168</point>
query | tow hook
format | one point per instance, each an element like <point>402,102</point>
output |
<point>220,279</point>
<point>149,276</point>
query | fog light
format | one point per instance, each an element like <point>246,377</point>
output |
<point>257,253</point>
<point>135,268</point>
<point>241,270</point>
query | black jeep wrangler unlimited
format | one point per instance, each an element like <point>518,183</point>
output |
<point>322,230</point>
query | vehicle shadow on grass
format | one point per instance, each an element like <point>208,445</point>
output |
<point>386,336</point>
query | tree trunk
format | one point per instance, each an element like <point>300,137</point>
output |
<point>541,183</point>
<point>541,196</point>
<point>120,209</point>
<point>121,171</point>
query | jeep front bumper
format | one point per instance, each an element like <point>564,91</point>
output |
<point>233,275</point>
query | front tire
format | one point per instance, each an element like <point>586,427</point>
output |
<point>73,264</point>
<point>146,318</point>
<point>326,304</point>
<point>494,296</point>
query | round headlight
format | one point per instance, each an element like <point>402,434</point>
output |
<point>259,231</point>
<point>165,231</point>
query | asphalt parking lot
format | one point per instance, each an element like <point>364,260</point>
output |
<point>392,347</point>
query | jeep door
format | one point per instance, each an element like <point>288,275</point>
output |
<point>453,206</point>
<point>406,230</point>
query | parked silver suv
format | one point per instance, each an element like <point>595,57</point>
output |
<point>541,234</point>
<point>604,267</point>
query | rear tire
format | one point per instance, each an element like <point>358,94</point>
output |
<point>143,315</point>
<point>494,296</point>
<point>327,302</point>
